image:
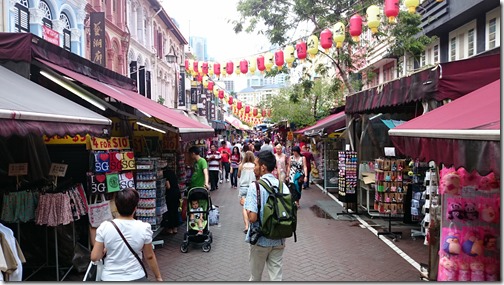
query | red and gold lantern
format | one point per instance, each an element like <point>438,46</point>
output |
<point>247,109</point>
<point>221,94</point>
<point>229,67</point>
<point>260,63</point>
<point>279,59</point>
<point>263,112</point>
<point>269,112</point>
<point>326,39</point>
<point>210,85</point>
<point>186,64</point>
<point>195,66</point>
<point>301,50</point>
<point>217,68</point>
<point>255,112</point>
<point>230,100</point>
<point>355,27</point>
<point>204,68</point>
<point>391,10</point>
<point>239,105</point>
<point>244,68</point>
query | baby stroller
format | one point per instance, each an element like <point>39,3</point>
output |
<point>193,232</point>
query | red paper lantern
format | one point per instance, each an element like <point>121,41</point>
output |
<point>204,68</point>
<point>244,66</point>
<point>301,50</point>
<point>254,112</point>
<point>199,78</point>
<point>230,100</point>
<point>247,109</point>
<point>229,67</point>
<point>326,39</point>
<point>355,27</point>
<point>195,66</point>
<point>210,85</point>
<point>216,68</point>
<point>239,105</point>
<point>186,64</point>
<point>260,63</point>
<point>269,112</point>
<point>391,9</point>
<point>279,59</point>
<point>263,113</point>
<point>221,94</point>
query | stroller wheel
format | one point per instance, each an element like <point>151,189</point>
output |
<point>184,248</point>
<point>210,238</point>
<point>206,247</point>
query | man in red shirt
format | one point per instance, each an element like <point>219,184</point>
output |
<point>225,155</point>
<point>309,160</point>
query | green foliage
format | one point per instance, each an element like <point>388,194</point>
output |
<point>160,100</point>
<point>408,37</point>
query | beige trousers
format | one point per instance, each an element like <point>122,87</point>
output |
<point>270,256</point>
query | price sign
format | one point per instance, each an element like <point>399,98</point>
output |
<point>58,169</point>
<point>18,169</point>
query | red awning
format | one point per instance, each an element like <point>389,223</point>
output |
<point>464,133</point>
<point>328,124</point>
<point>189,129</point>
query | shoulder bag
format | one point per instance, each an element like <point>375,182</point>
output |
<point>129,247</point>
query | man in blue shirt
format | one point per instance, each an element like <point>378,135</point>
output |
<point>266,251</point>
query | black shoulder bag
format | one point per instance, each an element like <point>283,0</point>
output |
<point>129,247</point>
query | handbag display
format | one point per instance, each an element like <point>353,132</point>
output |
<point>94,271</point>
<point>129,247</point>
<point>99,211</point>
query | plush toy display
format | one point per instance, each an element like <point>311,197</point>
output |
<point>451,244</point>
<point>464,272</point>
<point>449,269</point>
<point>473,244</point>
<point>491,273</point>
<point>471,212</point>
<point>455,210</point>
<point>477,271</point>
<point>451,184</point>
<point>488,213</point>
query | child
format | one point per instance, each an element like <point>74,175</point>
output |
<point>196,216</point>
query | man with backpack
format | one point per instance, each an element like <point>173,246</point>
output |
<point>269,228</point>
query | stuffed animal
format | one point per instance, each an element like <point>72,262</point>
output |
<point>455,210</point>
<point>464,273</point>
<point>488,214</point>
<point>451,184</point>
<point>449,268</point>
<point>471,212</point>
<point>473,245</point>
<point>477,271</point>
<point>491,272</point>
<point>451,244</point>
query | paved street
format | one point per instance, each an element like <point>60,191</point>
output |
<point>326,250</point>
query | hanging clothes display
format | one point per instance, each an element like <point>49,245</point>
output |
<point>12,255</point>
<point>60,208</point>
<point>19,206</point>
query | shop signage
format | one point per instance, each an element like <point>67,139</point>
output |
<point>170,141</point>
<point>137,130</point>
<point>50,35</point>
<point>97,37</point>
<point>58,169</point>
<point>112,143</point>
<point>202,105</point>
<point>66,139</point>
<point>212,109</point>
<point>18,169</point>
<point>195,92</point>
<point>181,89</point>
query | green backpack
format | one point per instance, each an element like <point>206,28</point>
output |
<point>280,213</point>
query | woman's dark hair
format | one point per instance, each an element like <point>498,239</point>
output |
<point>245,148</point>
<point>194,149</point>
<point>296,149</point>
<point>126,201</point>
<point>237,150</point>
<point>267,158</point>
<point>257,146</point>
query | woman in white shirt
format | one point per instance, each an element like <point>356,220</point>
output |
<point>246,176</point>
<point>119,262</point>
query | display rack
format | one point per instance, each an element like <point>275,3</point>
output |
<point>347,179</point>
<point>330,162</point>
<point>431,183</point>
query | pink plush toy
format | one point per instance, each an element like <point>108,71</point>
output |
<point>464,273</point>
<point>473,244</point>
<point>449,269</point>
<point>491,272</point>
<point>451,184</point>
<point>477,271</point>
<point>488,213</point>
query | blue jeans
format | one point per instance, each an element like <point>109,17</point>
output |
<point>234,177</point>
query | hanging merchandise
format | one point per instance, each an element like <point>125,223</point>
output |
<point>326,39</point>
<point>373,18</point>
<point>102,162</point>
<point>99,211</point>
<point>391,10</point>
<point>112,182</point>
<point>115,161</point>
<point>126,180</point>
<point>128,160</point>
<point>97,184</point>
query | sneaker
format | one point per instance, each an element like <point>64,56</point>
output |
<point>220,181</point>
<point>227,180</point>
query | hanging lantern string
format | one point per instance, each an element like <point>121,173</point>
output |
<point>291,41</point>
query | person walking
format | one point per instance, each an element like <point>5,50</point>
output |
<point>200,176</point>
<point>213,157</point>
<point>309,161</point>
<point>281,163</point>
<point>171,219</point>
<point>267,145</point>
<point>296,170</point>
<point>266,251</point>
<point>246,176</point>
<point>225,153</point>
<point>120,262</point>
<point>235,162</point>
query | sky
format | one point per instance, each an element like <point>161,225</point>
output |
<point>209,19</point>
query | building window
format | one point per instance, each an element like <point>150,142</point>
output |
<point>436,53</point>
<point>422,59</point>
<point>67,35</point>
<point>388,72</point>
<point>453,49</point>
<point>470,42</point>
<point>492,31</point>
<point>21,17</point>
<point>47,20</point>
